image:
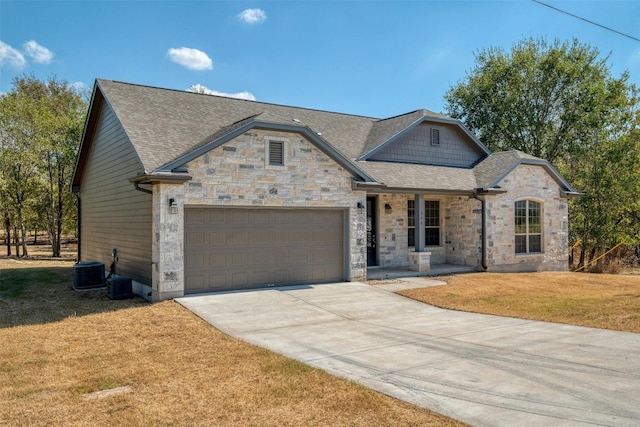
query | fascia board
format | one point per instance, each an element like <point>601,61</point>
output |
<point>79,167</point>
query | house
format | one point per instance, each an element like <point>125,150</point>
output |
<point>200,193</point>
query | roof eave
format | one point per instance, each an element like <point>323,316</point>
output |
<point>382,188</point>
<point>88,123</point>
<point>161,178</point>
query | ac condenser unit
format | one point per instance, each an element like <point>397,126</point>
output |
<point>88,275</point>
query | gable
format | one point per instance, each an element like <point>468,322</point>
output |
<point>452,147</point>
<point>492,171</point>
<point>240,171</point>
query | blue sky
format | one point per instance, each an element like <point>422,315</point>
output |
<point>371,58</point>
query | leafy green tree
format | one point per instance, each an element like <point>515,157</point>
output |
<point>540,98</point>
<point>558,101</point>
<point>41,126</point>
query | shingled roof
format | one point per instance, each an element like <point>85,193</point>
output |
<point>168,128</point>
<point>494,168</point>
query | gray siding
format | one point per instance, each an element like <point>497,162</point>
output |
<point>114,214</point>
<point>415,147</point>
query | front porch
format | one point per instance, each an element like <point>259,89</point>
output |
<point>388,273</point>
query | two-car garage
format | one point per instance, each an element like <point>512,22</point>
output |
<point>241,248</point>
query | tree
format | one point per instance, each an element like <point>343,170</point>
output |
<point>41,126</point>
<point>558,101</point>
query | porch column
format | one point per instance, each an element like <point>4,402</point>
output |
<point>419,206</point>
<point>419,260</point>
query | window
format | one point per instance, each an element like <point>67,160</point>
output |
<point>435,136</point>
<point>276,153</point>
<point>528,227</point>
<point>431,223</point>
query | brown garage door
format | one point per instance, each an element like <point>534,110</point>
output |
<point>229,249</point>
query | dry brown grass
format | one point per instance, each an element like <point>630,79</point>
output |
<point>597,300</point>
<point>171,368</point>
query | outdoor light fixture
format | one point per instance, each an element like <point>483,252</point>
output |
<point>173,206</point>
<point>360,206</point>
<point>387,208</point>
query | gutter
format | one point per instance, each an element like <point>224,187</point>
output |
<point>136,185</point>
<point>170,178</point>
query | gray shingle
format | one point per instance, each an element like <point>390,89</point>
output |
<point>164,125</point>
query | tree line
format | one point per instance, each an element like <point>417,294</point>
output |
<point>560,102</point>
<point>41,126</point>
<point>554,100</point>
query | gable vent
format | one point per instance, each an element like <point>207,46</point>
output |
<point>435,136</point>
<point>276,153</point>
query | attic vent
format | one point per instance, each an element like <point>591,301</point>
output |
<point>276,153</point>
<point>435,136</point>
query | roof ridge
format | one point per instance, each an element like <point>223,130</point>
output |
<point>240,99</point>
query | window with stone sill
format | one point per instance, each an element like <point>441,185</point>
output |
<point>528,227</point>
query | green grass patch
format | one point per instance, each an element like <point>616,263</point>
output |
<point>16,283</point>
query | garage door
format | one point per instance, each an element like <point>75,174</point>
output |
<point>229,249</point>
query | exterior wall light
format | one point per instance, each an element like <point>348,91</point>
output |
<point>173,206</point>
<point>387,208</point>
<point>360,206</point>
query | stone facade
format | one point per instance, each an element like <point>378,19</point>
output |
<point>237,174</point>
<point>527,182</point>
<point>460,227</point>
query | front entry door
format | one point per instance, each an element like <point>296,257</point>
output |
<point>372,239</point>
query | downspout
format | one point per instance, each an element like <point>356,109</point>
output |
<point>79,207</point>
<point>483,238</point>
<point>136,184</point>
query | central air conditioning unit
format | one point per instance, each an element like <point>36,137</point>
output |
<point>119,287</point>
<point>88,275</point>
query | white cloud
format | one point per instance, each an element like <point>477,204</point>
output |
<point>10,56</point>
<point>37,52</point>
<point>193,59</point>
<point>252,16</point>
<point>198,88</point>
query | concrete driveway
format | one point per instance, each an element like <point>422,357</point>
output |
<point>484,370</point>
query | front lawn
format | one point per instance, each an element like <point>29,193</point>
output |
<point>77,358</point>
<point>608,301</point>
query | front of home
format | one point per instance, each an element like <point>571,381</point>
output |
<point>200,193</point>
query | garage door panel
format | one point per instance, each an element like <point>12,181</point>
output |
<point>239,278</point>
<point>238,217</point>
<point>260,237</point>
<point>245,248</point>
<point>194,261</point>
<point>215,238</point>
<point>217,260</point>
<point>194,216</point>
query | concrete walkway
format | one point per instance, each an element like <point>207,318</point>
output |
<point>484,370</point>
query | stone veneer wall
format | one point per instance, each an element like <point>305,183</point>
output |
<point>460,219</point>
<point>533,183</point>
<point>463,219</point>
<point>238,174</point>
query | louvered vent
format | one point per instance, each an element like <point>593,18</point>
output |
<point>276,153</point>
<point>435,136</point>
